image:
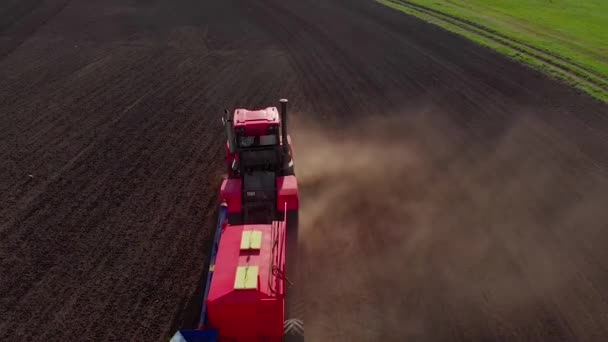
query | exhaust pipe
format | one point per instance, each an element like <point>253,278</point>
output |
<point>284,125</point>
<point>287,161</point>
<point>230,131</point>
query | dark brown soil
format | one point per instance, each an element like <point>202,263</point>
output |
<point>452,194</point>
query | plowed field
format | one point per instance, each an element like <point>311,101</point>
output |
<point>448,192</point>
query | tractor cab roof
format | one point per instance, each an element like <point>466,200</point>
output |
<point>256,120</point>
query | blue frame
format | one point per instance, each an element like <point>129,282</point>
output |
<point>210,335</point>
<point>216,240</point>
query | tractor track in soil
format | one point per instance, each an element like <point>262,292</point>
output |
<point>111,151</point>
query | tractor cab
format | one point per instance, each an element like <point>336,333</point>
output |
<point>258,158</point>
<point>257,127</point>
<point>258,141</point>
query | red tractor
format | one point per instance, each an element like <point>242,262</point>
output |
<point>254,246</point>
<point>260,165</point>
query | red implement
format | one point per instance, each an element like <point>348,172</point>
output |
<point>246,299</point>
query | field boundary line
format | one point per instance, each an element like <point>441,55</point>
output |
<point>591,81</point>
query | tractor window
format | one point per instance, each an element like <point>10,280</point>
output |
<point>268,140</point>
<point>246,141</point>
<point>256,141</point>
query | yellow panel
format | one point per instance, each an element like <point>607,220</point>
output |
<point>246,278</point>
<point>251,239</point>
<point>256,240</point>
<point>245,238</point>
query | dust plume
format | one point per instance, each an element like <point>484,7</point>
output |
<point>413,227</point>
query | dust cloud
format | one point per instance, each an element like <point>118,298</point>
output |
<point>415,228</point>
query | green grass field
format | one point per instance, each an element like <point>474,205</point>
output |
<point>568,39</point>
